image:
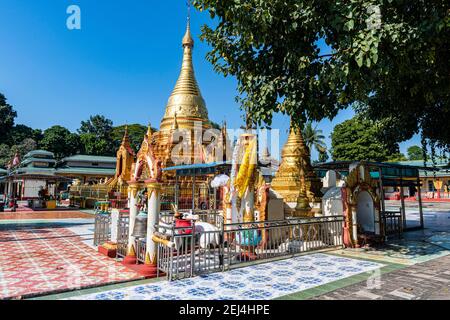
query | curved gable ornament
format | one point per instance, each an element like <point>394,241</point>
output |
<point>147,166</point>
<point>358,180</point>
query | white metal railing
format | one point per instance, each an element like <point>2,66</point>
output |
<point>187,251</point>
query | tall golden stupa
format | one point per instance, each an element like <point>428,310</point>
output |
<point>185,113</point>
<point>295,180</point>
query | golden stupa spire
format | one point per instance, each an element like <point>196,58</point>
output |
<point>186,99</point>
<point>295,180</point>
<point>187,84</point>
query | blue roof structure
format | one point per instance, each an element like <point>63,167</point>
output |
<point>198,168</point>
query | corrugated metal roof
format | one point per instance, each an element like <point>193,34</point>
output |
<point>419,163</point>
<point>32,159</point>
<point>39,152</point>
<point>198,168</point>
<point>87,158</point>
<point>77,170</point>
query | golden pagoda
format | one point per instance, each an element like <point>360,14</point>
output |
<point>185,113</point>
<point>295,179</point>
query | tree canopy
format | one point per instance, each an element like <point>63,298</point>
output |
<point>7,116</point>
<point>360,139</point>
<point>95,135</point>
<point>136,134</point>
<point>60,141</point>
<point>21,132</point>
<point>309,59</point>
<point>415,153</point>
<point>314,138</point>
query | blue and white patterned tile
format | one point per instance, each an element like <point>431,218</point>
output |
<point>258,282</point>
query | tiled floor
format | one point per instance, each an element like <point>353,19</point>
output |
<point>406,252</point>
<point>43,258</point>
<point>422,281</point>
<point>258,282</point>
<point>67,214</point>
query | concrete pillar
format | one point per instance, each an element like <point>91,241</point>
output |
<point>131,251</point>
<point>402,201</point>
<point>420,202</point>
<point>114,224</point>
<point>154,207</point>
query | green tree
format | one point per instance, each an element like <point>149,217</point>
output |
<point>391,57</point>
<point>415,153</point>
<point>136,134</point>
<point>96,136</point>
<point>323,156</point>
<point>314,137</point>
<point>7,152</point>
<point>21,132</point>
<point>7,116</point>
<point>4,155</point>
<point>215,125</point>
<point>361,139</point>
<point>60,141</point>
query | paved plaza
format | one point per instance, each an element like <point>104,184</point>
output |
<point>423,281</point>
<point>50,255</point>
<point>47,256</point>
<point>262,281</point>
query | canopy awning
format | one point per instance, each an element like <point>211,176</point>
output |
<point>391,173</point>
<point>198,168</point>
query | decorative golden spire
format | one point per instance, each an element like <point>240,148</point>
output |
<point>187,39</point>
<point>149,131</point>
<point>125,138</point>
<point>186,99</point>
<point>126,141</point>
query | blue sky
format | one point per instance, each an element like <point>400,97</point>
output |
<point>122,64</point>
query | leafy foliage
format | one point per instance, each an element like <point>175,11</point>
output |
<point>7,116</point>
<point>323,156</point>
<point>314,137</point>
<point>136,134</point>
<point>21,132</point>
<point>7,153</point>
<point>388,59</point>
<point>415,153</point>
<point>95,135</point>
<point>60,141</point>
<point>360,139</point>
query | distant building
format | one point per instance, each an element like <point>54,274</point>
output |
<point>433,181</point>
<point>36,172</point>
<point>87,169</point>
<point>39,170</point>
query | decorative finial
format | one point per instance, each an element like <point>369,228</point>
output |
<point>125,135</point>
<point>187,39</point>
<point>149,131</point>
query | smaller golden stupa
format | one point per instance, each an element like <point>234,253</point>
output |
<point>296,180</point>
